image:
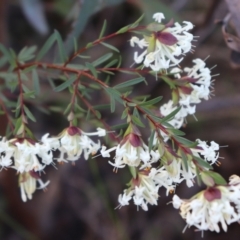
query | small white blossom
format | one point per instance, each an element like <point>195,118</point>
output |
<point>143,191</point>
<point>72,142</point>
<point>131,151</point>
<point>165,46</point>
<point>209,208</point>
<point>25,154</point>
<point>28,184</point>
<point>158,17</point>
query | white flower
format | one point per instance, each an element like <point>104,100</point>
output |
<point>197,87</point>
<point>72,142</point>
<point>6,152</point>
<point>209,153</point>
<point>25,154</point>
<point>143,191</point>
<point>165,45</point>
<point>162,178</point>
<point>28,184</point>
<point>158,17</point>
<point>208,209</point>
<point>132,151</point>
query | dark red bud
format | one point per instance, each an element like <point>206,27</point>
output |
<point>136,182</point>
<point>186,90</point>
<point>34,174</point>
<point>166,38</point>
<point>212,193</point>
<point>73,131</point>
<point>134,140</point>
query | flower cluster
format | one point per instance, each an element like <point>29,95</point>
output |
<point>164,45</point>
<point>211,207</point>
<point>193,86</point>
<point>29,157</point>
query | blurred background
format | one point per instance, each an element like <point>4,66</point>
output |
<point>80,201</point>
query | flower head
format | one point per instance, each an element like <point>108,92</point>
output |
<point>72,142</point>
<point>165,45</point>
<point>209,208</point>
<point>131,151</point>
<point>143,190</point>
<point>28,184</point>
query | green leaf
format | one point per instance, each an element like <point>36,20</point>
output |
<point>36,85</point>
<point>6,53</point>
<point>184,159</point>
<point>150,143</point>
<point>102,106</point>
<point>109,46</point>
<point>186,142</point>
<point>112,104</point>
<point>29,114</point>
<point>129,83</point>
<point>102,59</point>
<point>92,69</point>
<point>61,48</point>
<point>171,115</point>
<point>103,29</point>
<point>17,125</point>
<point>48,44</point>
<point>110,64</point>
<point>66,84</point>
<point>218,179</point>
<point>26,54</point>
<point>202,162</point>
<point>135,24</point>
<point>119,126</point>
<point>151,102</point>
<point>123,30</point>
<point>114,94</point>
<point>137,121</point>
<point>67,109</point>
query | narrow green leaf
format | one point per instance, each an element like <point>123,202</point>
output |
<point>202,162</point>
<point>171,115</point>
<point>66,111</point>
<point>61,48</point>
<point>151,102</point>
<point>112,104</point>
<point>75,45</point>
<point>122,30</point>
<point>17,125</point>
<point>112,63</point>
<point>124,113</point>
<point>129,83</point>
<point>6,53</point>
<point>119,126</point>
<point>36,85</point>
<point>48,44</point>
<point>102,59</point>
<point>92,69</point>
<point>184,159</point>
<point>102,106</point>
<point>27,53</point>
<point>103,29</point>
<point>109,46</point>
<point>66,84</point>
<point>218,179</point>
<point>186,142</point>
<point>29,114</point>
<point>150,143</point>
<point>137,121</point>
<point>51,82</point>
<point>135,24</point>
